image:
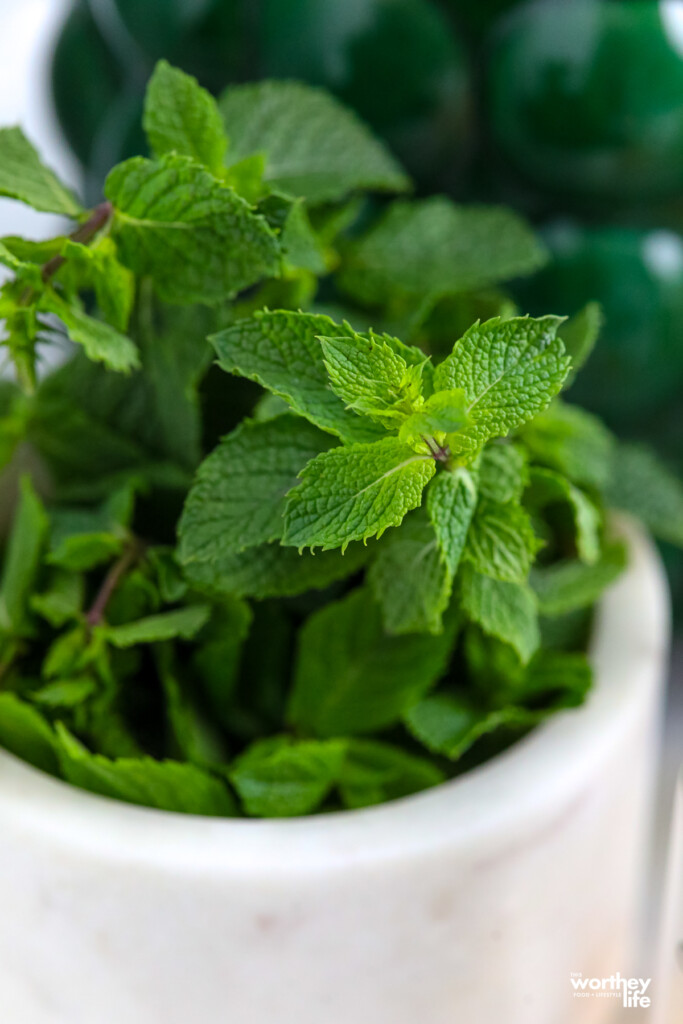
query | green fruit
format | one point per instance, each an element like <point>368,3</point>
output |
<point>635,373</point>
<point>586,98</point>
<point>397,62</point>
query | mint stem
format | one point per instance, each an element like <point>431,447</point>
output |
<point>84,234</point>
<point>111,582</point>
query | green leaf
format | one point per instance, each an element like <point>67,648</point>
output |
<point>573,442</point>
<point>82,538</point>
<point>26,734</point>
<point>351,677</point>
<point>314,146</point>
<point>507,611</point>
<point>182,622</point>
<point>62,600</point>
<point>641,484</point>
<point>580,334</point>
<point>370,376</point>
<point>509,370</point>
<point>569,585</point>
<point>96,266</point>
<point>216,658</point>
<point>451,501</point>
<point>198,239</point>
<point>501,542</point>
<point>238,497</point>
<point>282,778</point>
<point>273,571</point>
<point>354,493</point>
<point>449,725</point>
<point>24,177</point>
<point>300,245</point>
<point>431,248</point>
<point>556,679</point>
<point>546,487</point>
<point>181,117</point>
<point>281,352</point>
<point>441,415</point>
<point>410,578</point>
<point>101,342</point>
<point>166,785</point>
<point>67,693</point>
<point>22,561</point>
<point>503,472</point>
<point>375,772</point>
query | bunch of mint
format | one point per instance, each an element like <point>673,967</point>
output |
<point>343,550</point>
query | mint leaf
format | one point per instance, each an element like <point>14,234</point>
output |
<point>217,656</point>
<point>441,415</point>
<point>503,472</point>
<point>375,772</point>
<point>300,245</point>
<point>354,493</point>
<point>24,177</point>
<point>509,370</point>
<point>507,611</point>
<point>569,585</point>
<point>546,487</point>
<point>182,622</point>
<point>558,679</point>
<point>273,571</point>
<point>431,248</point>
<point>350,677</point>
<point>573,442</point>
<point>166,785</point>
<point>281,351</point>
<point>238,497</point>
<point>181,117</point>
<point>82,538</point>
<point>451,501</point>
<point>642,485</point>
<point>67,693</point>
<point>579,334</point>
<point>281,778</point>
<point>22,561</point>
<point>449,725</point>
<point>196,238</point>
<point>314,146</point>
<point>101,342</point>
<point>501,542</point>
<point>26,734</point>
<point>96,266</point>
<point>370,376</point>
<point>410,578</point>
<point>62,600</point>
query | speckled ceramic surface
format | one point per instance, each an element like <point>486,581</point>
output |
<point>469,903</point>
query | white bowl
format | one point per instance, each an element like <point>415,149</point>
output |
<point>468,904</point>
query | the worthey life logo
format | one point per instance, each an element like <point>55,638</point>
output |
<point>634,992</point>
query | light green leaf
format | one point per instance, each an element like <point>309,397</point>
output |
<point>503,472</point>
<point>579,334</point>
<point>63,598</point>
<point>569,585</point>
<point>24,177</point>
<point>96,266</point>
<point>441,415</point>
<point>641,484</point>
<point>573,442</point>
<point>197,238</point>
<point>101,342</point>
<point>26,734</point>
<point>273,571</point>
<point>282,778</point>
<point>354,493</point>
<point>451,501</point>
<point>182,622</point>
<point>509,370</point>
<point>351,677</point>
<point>281,351</point>
<point>410,578</point>
<point>22,561</point>
<point>507,611</point>
<point>238,497</point>
<point>300,245</point>
<point>166,785</point>
<point>375,772</point>
<point>370,376</point>
<point>546,487</point>
<point>450,725</point>
<point>67,693</point>
<point>430,248</point>
<point>315,147</point>
<point>181,117</point>
<point>501,542</point>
